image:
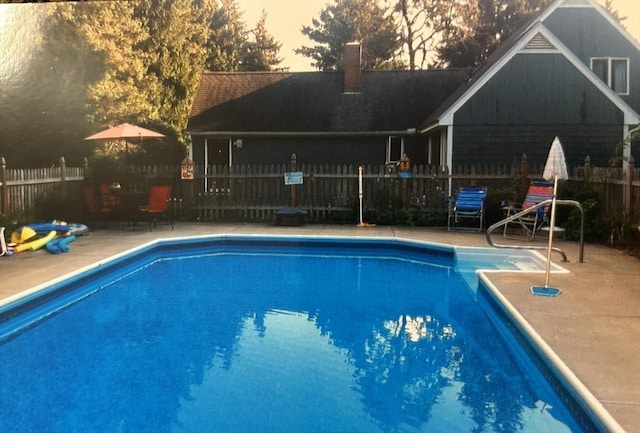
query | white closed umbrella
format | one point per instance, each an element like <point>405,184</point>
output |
<point>554,169</point>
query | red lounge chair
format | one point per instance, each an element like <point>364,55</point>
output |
<point>157,207</point>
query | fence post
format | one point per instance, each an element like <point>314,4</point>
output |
<point>294,167</point>
<point>63,169</point>
<point>85,168</point>
<point>587,168</point>
<point>524,175</point>
<point>4,191</point>
<point>628,185</point>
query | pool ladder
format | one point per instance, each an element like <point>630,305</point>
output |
<point>542,204</point>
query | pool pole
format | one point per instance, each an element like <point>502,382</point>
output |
<point>360,170</point>
<point>361,223</point>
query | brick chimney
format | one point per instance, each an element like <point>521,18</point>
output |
<point>352,61</point>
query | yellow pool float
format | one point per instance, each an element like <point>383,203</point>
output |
<point>37,243</point>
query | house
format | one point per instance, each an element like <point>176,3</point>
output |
<point>355,116</point>
<point>571,72</point>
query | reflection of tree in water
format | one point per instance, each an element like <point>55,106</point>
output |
<point>406,344</point>
<point>494,391</point>
<point>399,344</point>
<point>401,370</point>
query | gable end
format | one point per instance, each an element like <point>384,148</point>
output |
<point>539,42</point>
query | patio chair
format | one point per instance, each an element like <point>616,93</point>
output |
<point>466,208</point>
<point>95,210</point>
<point>529,223</point>
<point>107,197</point>
<point>156,208</point>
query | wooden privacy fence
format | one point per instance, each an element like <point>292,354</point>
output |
<point>330,193</point>
<point>327,193</point>
<point>618,189</point>
<point>21,189</point>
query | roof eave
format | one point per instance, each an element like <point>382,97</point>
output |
<point>402,132</point>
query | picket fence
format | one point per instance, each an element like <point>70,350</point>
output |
<point>253,193</point>
<point>22,189</point>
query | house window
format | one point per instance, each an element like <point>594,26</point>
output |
<point>614,72</point>
<point>395,149</point>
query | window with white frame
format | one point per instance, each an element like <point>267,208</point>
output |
<point>613,71</point>
<point>395,149</point>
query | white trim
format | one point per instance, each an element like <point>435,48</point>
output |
<point>610,71</point>
<point>630,116</point>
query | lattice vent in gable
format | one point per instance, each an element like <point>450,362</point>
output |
<point>539,42</point>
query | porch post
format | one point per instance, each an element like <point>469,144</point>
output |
<point>449,157</point>
<point>4,191</point>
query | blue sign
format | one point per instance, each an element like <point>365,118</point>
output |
<point>293,178</point>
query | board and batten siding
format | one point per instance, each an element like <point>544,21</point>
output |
<point>591,35</point>
<point>502,113</point>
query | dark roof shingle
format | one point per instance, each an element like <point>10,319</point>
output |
<point>315,102</point>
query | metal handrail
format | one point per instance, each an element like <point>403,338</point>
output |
<point>544,203</point>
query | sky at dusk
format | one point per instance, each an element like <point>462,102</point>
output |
<point>285,19</point>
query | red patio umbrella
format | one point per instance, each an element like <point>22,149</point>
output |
<point>125,131</point>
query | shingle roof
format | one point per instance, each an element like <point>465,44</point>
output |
<point>314,101</point>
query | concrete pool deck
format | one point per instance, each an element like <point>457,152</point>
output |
<point>593,326</point>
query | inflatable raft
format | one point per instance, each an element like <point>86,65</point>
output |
<point>75,229</point>
<point>56,236</point>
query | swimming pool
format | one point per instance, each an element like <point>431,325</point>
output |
<point>252,333</point>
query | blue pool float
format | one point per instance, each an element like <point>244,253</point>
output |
<point>75,229</point>
<point>60,245</point>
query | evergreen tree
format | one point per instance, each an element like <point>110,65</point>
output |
<point>346,21</point>
<point>479,26</point>
<point>228,38</point>
<point>262,52</point>
<point>176,45</point>
<point>232,47</point>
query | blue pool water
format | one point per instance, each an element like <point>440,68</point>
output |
<point>266,335</point>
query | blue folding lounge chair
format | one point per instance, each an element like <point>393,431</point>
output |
<point>468,207</point>
<point>529,222</point>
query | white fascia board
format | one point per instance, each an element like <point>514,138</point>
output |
<point>630,116</point>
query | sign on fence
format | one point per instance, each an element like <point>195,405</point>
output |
<point>293,178</point>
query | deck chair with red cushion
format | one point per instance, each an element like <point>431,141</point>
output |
<point>157,206</point>
<point>107,197</point>
<point>94,208</point>
<point>528,223</point>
